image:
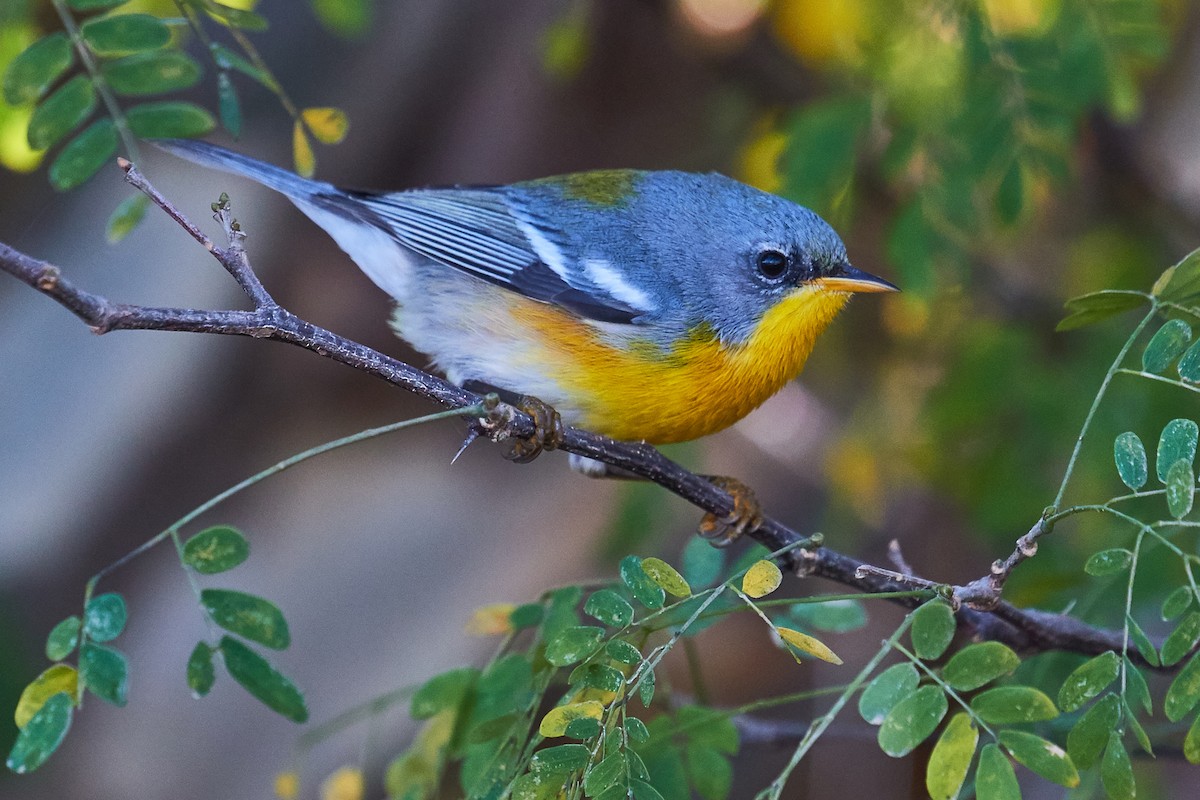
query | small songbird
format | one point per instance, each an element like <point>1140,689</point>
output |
<point>655,306</point>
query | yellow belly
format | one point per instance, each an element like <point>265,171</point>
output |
<point>696,387</point>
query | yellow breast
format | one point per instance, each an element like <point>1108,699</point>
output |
<point>696,387</point>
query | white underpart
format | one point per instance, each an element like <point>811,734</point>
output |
<point>546,250</point>
<point>604,276</point>
<point>378,255</point>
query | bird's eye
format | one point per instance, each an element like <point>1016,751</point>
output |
<point>772,264</point>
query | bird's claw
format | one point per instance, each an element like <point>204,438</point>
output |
<point>746,516</point>
<point>547,432</point>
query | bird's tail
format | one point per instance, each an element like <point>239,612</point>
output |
<point>210,155</point>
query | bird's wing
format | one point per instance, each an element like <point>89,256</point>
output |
<point>476,231</point>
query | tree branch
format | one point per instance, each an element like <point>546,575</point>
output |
<point>1022,629</point>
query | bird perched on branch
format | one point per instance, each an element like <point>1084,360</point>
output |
<point>656,306</point>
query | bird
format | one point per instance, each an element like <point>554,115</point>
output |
<point>655,306</point>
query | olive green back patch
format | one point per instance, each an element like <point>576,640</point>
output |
<point>609,188</point>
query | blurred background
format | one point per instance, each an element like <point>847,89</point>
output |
<point>993,157</point>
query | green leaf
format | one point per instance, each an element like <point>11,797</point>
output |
<point>646,687</point>
<point>1116,771</point>
<point>951,758</point>
<point>1181,489</point>
<point>84,155</point>
<point>702,563</point>
<point>42,735</point>
<point>1180,283</point>
<point>605,774</point>
<point>443,691</point>
<point>227,59</point>
<point>559,719</point>
<point>1142,642</point>
<point>644,791</point>
<point>348,18</point>
<point>1178,441</point>
<point>597,676</point>
<point>644,590</point>
<point>104,617</point>
<point>667,577</point>
<point>216,549</point>
<point>1088,680</point>
<point>63,639</point>
<point>912,721</point>
<point>125,33</point>
<point>250,616</point>
<point>623,651</point>
<point>1136,689</point>
<point>235,17</point>
<point>637,730</point>
<point>259,678</point>
<point>1177,602</point>
<point>60,113</point>
<point>105,672</point>
<point>1184,692</point>
<point>709,772</point>
<point>1097,307</point>
<point>229,109</point>
<point>36,68</point>
<point>1108,562</point>
<point>1182,639</point>
<point>1130,455</point>
<point>1006,705</point>
<point>506,686</point>
<point>1087,738</point>
<point>151,72</point>
<point>823,140</point>
<point>1189,365</point>
<point>574,645</point>
<point>994,777</point>
<point>609,607</point>
<point>125,217</point>
<point>563,758</point>
<point>95,5</point>
<point>932,629</point>
<point>1139,732</point>
<point>978,665</point>
<point>582,728</point>
<point>200,671</point>
<point>169,119</point>
<point>886,690</point>
<point>835,616</point>
<point>1166,345</point>
<point>1042,756</point>
<point>1191,742</point>
<point>53,680</point>
<point>762,578</point>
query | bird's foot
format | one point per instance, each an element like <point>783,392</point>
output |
<point>745,517</point>
<point>547,431</point>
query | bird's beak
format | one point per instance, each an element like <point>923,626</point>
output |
<point>846,278</point>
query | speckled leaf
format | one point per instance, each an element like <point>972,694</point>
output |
<point>1088,680</point>
<point>666,576</point>
<point>215,550</point>
<point>1181,489</point>
<point>646,688</point>
<point>623,651</point>
<point>1088,736</point>
<point>104,617</point>
<point>761,579</point>
<point>1184,692</point>
<point>912,721</point>
<point>609,607</point>
<point>637,730</point>
<point>1042,756</point>
<point>36,68</point>
<point>1189,365</point>
<point>1181,640</point>
<point>169,119</point>
<point>1007,705</point>
<point>1177,602</point>
<point>1177,441</point>
<point>84,155</point>
<point>574,645</point>
<point>247,615</point>
<point>886,690</point>
<point>563,758</point>
<point>597,676</point>
<point>995,778</point>
<point>63,638</point>
<point>979,664</point>
<point>55,679</point>
<point>1116,771</point>
<point>1130,456</point>
<point>259,678</point>
<point>38,740</point>
<point>557,719</point>
<point>932,629</point>
<point>60,113</point>
<point>125,33</point>
<point>644,590</point>
<point>1108,562</point>
<point>1166,345</point>
<point>200,671</point>
<point>104,672</point>
<point>951,758</point>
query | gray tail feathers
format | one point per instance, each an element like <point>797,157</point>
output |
<point>210,155</point>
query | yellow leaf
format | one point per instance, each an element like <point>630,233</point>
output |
<point>666,577</point>
<point>302,154</point>
<point>58,678</point>
<point>807,644</point>
<point>329,125</point>
<point>557,719</point>
<point>491,620</point>
<point>344,784</point>
<point>287,785</point>
<point>762,579</point>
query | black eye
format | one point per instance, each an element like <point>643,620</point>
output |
<point>772,264</point>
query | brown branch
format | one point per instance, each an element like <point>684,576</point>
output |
<point>1022,629</point>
